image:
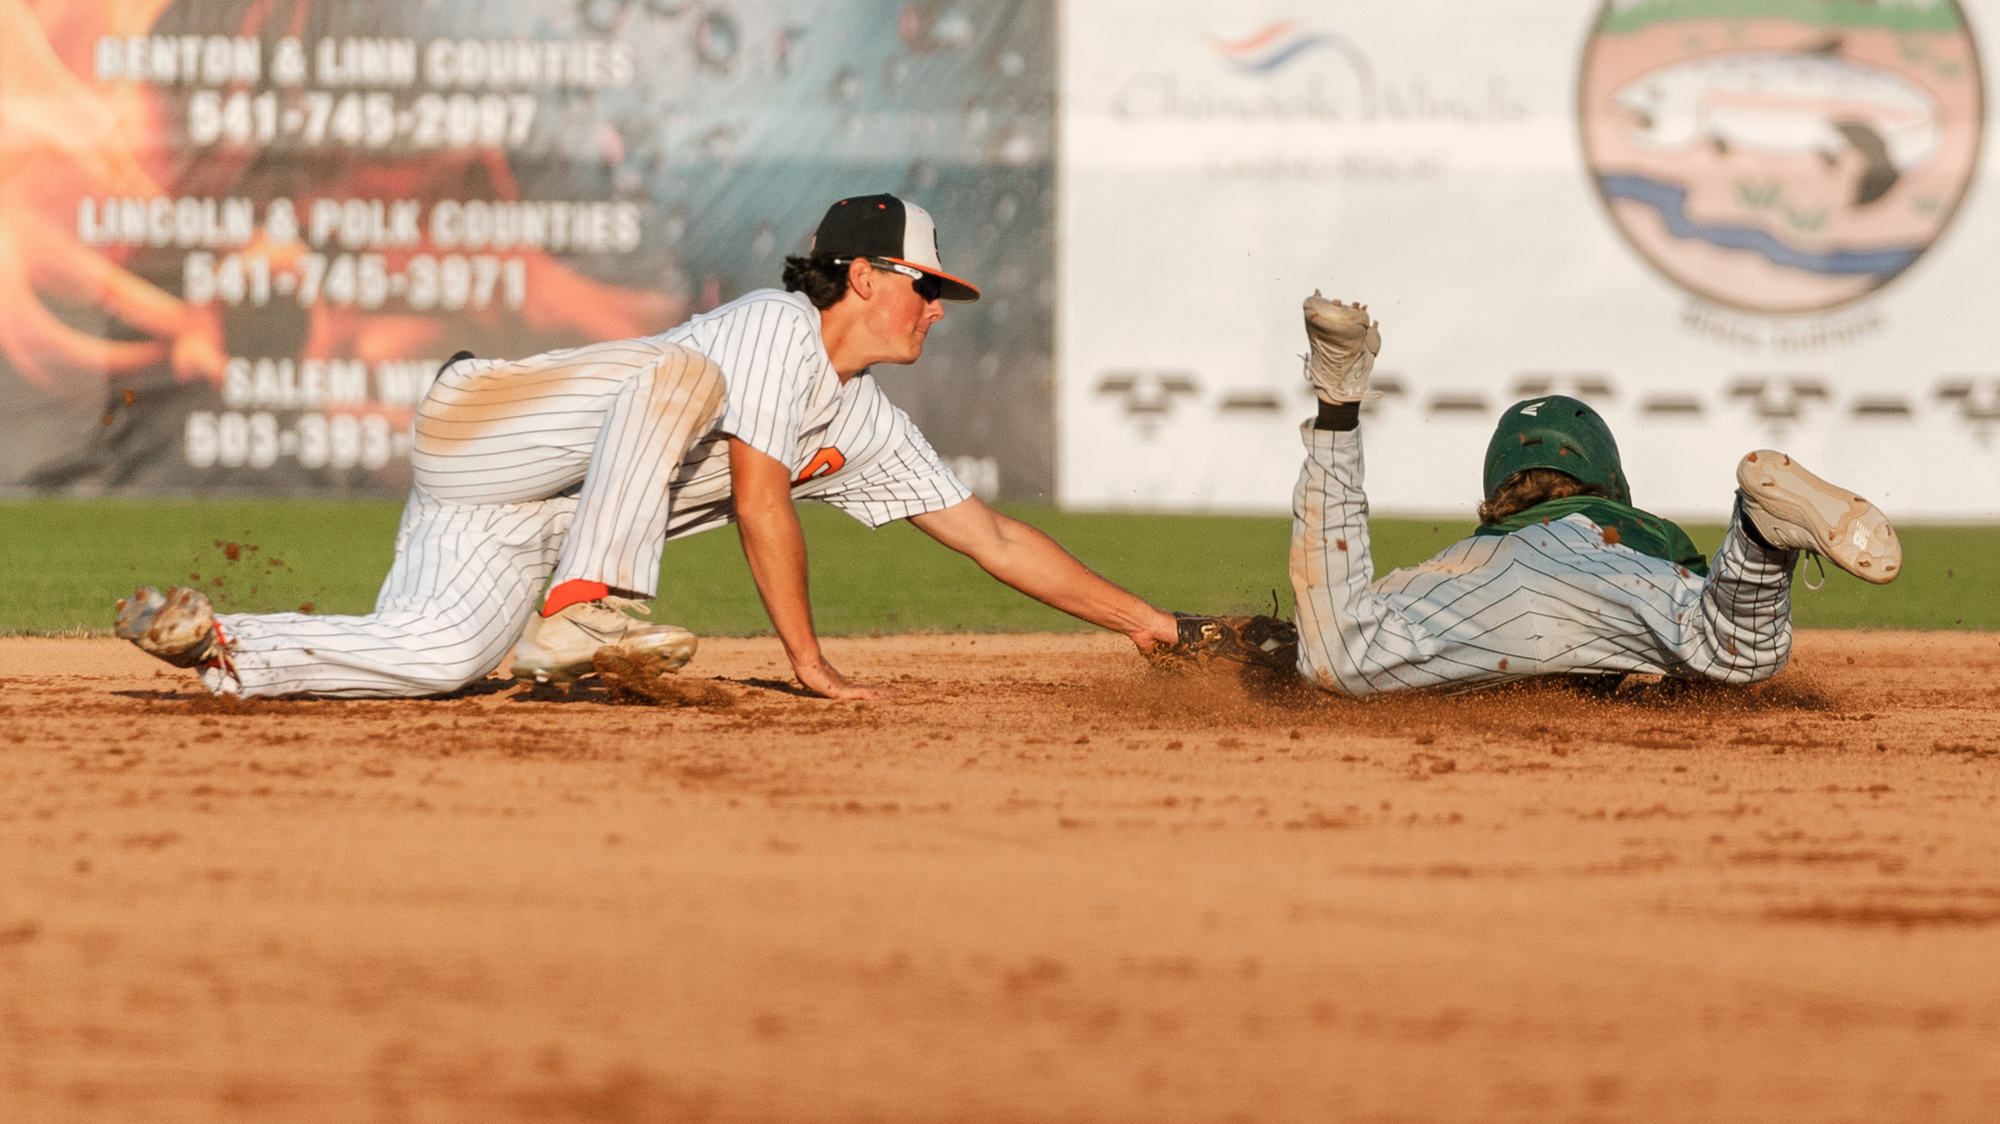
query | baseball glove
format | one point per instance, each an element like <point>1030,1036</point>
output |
<point>1261,642</point>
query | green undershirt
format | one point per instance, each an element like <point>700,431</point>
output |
<point>1623,524</point>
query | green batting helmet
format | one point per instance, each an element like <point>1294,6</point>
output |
<point>1556,432</point>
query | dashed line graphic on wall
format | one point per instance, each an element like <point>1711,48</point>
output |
<point>1148,397</point>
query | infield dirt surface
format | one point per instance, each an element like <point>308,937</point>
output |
<point>1042,885</point>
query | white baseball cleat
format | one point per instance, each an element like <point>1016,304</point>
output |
<point>178,626</point>
<point>1344,345</point>
<point>1795,510</point>
<point>557,649</point>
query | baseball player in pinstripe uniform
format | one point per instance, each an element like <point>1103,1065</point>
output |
<point>567,472</point>
<point>1563,575</point>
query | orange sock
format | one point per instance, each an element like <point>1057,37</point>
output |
<point>573,592</point>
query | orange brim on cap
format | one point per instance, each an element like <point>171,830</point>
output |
<point>955,288</point>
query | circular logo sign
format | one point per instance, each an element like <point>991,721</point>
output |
<point>1781,156</point>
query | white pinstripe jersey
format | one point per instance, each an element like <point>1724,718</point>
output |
<point>1550,598</point>
<point>845,444</point>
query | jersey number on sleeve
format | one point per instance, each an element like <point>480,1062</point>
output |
<point>826,462</point>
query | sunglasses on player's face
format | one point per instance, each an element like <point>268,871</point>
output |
<point>928,287</point>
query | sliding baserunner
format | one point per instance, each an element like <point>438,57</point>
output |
<point>1563,575</point>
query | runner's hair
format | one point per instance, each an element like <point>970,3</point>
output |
<point>1529,487</point>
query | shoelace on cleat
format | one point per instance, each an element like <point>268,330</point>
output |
<point>221,658</point>
<point>627,604</point>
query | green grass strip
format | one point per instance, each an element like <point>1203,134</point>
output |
<point>1847,13</point>
<point>65,561</point>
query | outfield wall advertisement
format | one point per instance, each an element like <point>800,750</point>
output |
<point>237,237</point>
<point>1727,223</point>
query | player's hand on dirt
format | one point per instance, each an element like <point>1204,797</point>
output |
<point>821,678</point>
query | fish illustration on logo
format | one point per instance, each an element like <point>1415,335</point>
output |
<point>1781,158</point>
<point>1787,105</point>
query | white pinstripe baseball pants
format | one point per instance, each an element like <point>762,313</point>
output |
<point>1549,599</point>
<point>500,450</point>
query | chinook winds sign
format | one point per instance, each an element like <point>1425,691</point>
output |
<point>1778,156</point>
<point>1726,224</point>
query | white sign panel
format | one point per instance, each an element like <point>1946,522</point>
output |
<point>1727,224</point>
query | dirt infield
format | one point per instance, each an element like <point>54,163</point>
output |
<point>1043,885</point>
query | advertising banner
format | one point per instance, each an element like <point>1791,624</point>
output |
<point>238,237</point>
<point>1728,224</point>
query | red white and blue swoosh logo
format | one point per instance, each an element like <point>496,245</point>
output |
<point>1269,49</point>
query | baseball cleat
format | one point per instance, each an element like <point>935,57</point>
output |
<point>1795,510</point>
<point>178,626</point>
<point>1344,345</point>
<point>559,648</point>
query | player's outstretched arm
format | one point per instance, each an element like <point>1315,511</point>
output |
<point>1035,564</point>
<point>776,549</point>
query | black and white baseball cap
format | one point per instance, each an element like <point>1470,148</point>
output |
<point>890,229</point>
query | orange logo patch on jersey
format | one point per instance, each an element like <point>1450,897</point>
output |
<point>826,462</point>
